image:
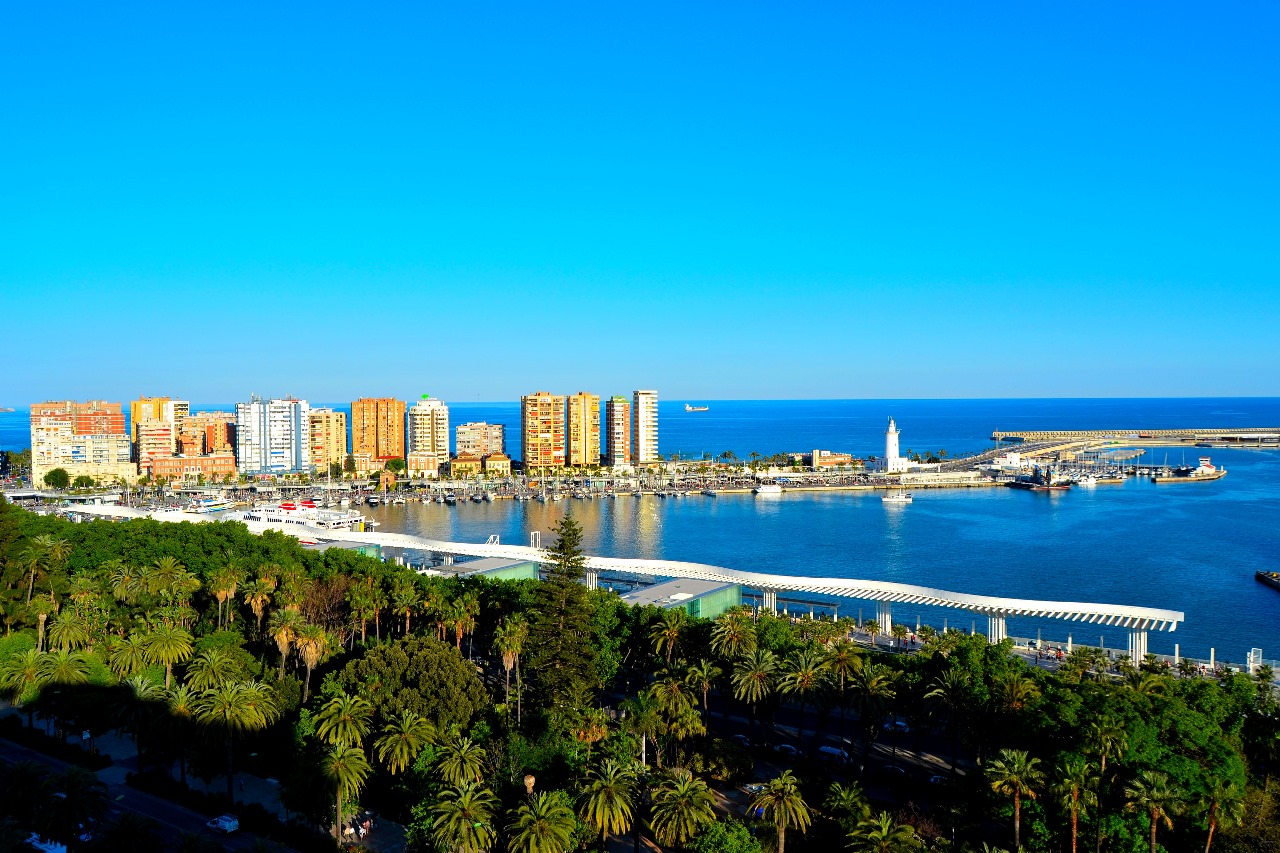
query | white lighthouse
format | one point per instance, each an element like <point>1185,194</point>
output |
<point>893,463</point>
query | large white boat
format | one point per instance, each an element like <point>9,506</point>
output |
<point>289,513</point>
<point>897,498</point>
<point>768,489</point>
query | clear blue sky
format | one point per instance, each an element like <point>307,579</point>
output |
<point>716,200</point>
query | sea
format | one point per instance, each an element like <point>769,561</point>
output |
<point>1189,547</point>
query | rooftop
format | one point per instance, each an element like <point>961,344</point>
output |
<point>676,591</point>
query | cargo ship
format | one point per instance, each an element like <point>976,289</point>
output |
<point>1271,579</point>
<point>689,408</point>
<point>1042,480</point>
<point>1186,474</point>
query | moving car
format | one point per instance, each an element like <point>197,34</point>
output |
<point>227,823</point>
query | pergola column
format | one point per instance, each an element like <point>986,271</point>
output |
<point>997,631</point>
<point>884,616</point>
<point>593,579</point>
<point>1137,646</point>
<point>769,600</point>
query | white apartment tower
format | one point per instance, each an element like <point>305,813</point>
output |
<point>429,429</point>
<point>480,439</point>
<point>273,436</point>
<point>644,426</point>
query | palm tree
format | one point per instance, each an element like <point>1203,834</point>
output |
<point>223,583</point>
<point>211,668</point>
<point>1077,790</point>
<point>182,710</point>
<point>874,689</point>
<point>347,768</point>
<point>882,834</point>
<point>701,676</point>
<point>64,667</point>
<point>1106,738</point>
<point>803,676</point>
<point>950,691</point>
<point>312,644</point>
<point>22,673</point>
<point>843,659</point>
<point>641,716</point>
<point>606,801</point>
<point>512,634</point>
<point>402,739</point>
<point>665,632</point>
<point>462,819</point>
<point>1016,691</point>
<point>545,824</point>
<point>753,678</point>
<point>1015,774</point>
<point>872,630</point>
<point>733,635</point>
<point>847,804</point>
<point>167,645</point>
<point>344,720</point>
<point>682,806</point>
<point>781,801</point>
<point>239,707</point>
<point>68,631</point>
<point>33,558</point>
<point>1152,793</point>
<point>461,760</point>
<point>404,600</point>
<point>1223,805</point>
<point>284,627</point>
<point>129,656</point>
<point>257,595</point>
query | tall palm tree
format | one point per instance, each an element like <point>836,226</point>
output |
<point>129,656</point>
<point>781,802</point>
<point>257,595</point>
<point>701,676</point>
<point>34,559</point>
<point>462,819</point>
<point>753,678</point>
<point>223,582</point>
<point>182,711</point>
<point>665,632</point>
<point>404,601</point>
<point>402,739</point>
<point>1016,691</point>
<point>233,709</point>
<point>950,692</point>
<point>682,806</point>
<point>642,717</point>
<point>125,581</point>
<point>512,634</point>
<point>1222,805</point>
<point>461,760</point>
<point>872,630</point>
<point>802,677</point>
<point>167,645</point>
<point>1015,774</point>
<point>544,824</point>
<point>606,801</point>
<point>843,659</point>
<point>1077,790</point>
<point>1104,738</point>
<point>64,667</point>
<point>344,720</point>
<point>312,644</point>
<point>283,626</point>
<point>1152,793</point>
<point>733,635</point>
<point>874,689</point>
<point>347,768</point>
<point>21,674</point>
<point>68,631</point>
<point>211,668</point>
<point>882,834</point>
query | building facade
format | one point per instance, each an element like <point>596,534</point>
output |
<point>377,427</point>
<point>84,439</point>
<point>480,438</point>
<point>465,465</point>
<point>327,435</point>
<point>211,467</point>
<point>428,429</point>
<point>422,465</point>
<point>207,432</point>
<point>542,431</point>
<point>152,438</point>
<point>618,432</point>
<point>644,428</point>
<point>273,436</point>
<point>582,436</point>
<point>496,465</point>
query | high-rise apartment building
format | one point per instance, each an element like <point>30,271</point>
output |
<point>542,430</point>
<point>377,427</point>
<point>583,433</point>
<point>273,436</point>
<point>480,439</point>
<point>86,439</point>
<point>617,415</point>
<point>207,432</point>
<point>327,438</point>
<point>152,438</point>
<point>158,409</point>
<point>429,432</point>
<point>644,423</point>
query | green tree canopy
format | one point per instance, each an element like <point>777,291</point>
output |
<point>418,674</point>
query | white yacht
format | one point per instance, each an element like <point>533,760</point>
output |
<point>289,513</point>
<point>768,489</point>
<point>897,498</point>
<point>204,505</point>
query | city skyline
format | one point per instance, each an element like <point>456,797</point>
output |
<point>819,203</point>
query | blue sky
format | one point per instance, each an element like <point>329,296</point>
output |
<point>717,201</point>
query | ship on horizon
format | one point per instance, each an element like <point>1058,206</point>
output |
<point>689,408</point>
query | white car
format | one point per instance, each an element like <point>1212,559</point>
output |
<point>227,823</point>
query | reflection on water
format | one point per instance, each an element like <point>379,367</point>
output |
<point>1190,547</point>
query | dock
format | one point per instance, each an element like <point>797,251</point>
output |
<point>1250,437</point>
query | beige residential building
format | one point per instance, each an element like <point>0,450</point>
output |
<point>496,465</point>
<point>644,428</point>
<point>377,427</point>
<point>207,432</point>
<point>480,438</point>
<point>328,437</point>
<point>422,465</point>
<point>542,431</point>
<point>582,447</point>
<point>618,432</point>
<point>158,409</point>
<point>86,439</point>
<point>153,438</point>
<point>429,429</point>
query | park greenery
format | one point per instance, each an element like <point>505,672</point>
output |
<point>546,716</point>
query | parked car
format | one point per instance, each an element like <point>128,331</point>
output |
<point>898,727</point>
<point>833,755</point>
<point>227,824</point>
<point>787,750</point>
<point>742,741</point>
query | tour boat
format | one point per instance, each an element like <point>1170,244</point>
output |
<point>689,408</point>
<point>897,498</point>
<point>768,489</point>
<point>289,513</point>
<point>211,505</point>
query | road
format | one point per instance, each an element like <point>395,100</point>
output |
<point>172,820</point>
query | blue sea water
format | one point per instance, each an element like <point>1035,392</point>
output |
<point>1188,547</point>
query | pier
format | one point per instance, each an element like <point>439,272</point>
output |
<point>1225,436</point>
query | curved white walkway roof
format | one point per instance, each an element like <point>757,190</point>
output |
<point>1120,615</point>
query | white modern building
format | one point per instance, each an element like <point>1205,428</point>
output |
<point>644,427</point>
<point>894,463</point>
<point>428,430</point>
<point>273,436</point>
